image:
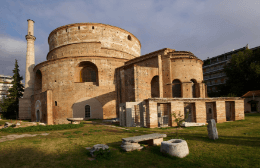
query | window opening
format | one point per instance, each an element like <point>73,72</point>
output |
<point>87,111</point>
<point>129,37</point>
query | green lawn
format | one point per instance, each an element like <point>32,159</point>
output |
<point>238,146</point>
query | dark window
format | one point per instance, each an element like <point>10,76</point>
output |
<point>155,87</point>
<point>89,73</point>
<point>129,37</point>
<point>176,88</point>
<point>87,111</point>
<point>79,27</point>
<point>38,80</point>
<point>193,87</point>
<point>55,103</point>
<point>92,27</point>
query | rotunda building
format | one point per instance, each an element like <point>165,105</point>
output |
<point>80,71</point>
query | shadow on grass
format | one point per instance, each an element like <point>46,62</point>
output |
<point>231,140</point>
<point>77,156</point>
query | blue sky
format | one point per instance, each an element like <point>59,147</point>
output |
<point>205,27</point>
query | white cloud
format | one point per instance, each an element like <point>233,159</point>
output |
<point>206,28</point>
<point>12,46</point>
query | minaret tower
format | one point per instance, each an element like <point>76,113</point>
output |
<point>25,102</point>
<point>30,61</point>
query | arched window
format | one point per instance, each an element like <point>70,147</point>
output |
<point>38,80</point>
<point>88,72</point>
<point>87,111</point>
<point>193,87</point>
<point>155,87</point>
<point>176,88</point>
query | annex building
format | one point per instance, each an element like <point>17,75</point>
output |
<point>95,70</point>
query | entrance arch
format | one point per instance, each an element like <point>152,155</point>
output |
<point>87,107</point>
<point>38,111</point>
<point>37,116</point>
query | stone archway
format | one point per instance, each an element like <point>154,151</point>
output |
<point>38,111</point>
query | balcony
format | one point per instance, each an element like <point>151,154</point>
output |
<point>214,77</point>
<point>215,63</point>
<point>217,83</point>
<point>214,70</point>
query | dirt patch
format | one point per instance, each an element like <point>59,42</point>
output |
<point>16,136</point>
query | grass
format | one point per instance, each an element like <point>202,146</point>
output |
<point>238,146</point>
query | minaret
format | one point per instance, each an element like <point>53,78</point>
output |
<point>25,102</point>
<point>30,61</point>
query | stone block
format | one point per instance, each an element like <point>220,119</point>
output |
<point>191,124</point>
<point>155,142</point>
<point>175,147</point>
<point>97,148</point>
<point>212,129</point>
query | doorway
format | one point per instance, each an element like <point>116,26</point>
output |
<point>37,116</point>
<point>162,114</point>
<point>253,107</point>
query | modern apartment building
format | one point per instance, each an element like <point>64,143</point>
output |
<point>213,69</point>
<point>5,84</point>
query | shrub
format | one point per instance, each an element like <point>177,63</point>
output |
<point>102,154</point>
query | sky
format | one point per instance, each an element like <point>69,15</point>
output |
<point>206,28</point>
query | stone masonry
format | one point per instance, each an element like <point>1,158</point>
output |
<point>25,102</point>
<point>95,70</point>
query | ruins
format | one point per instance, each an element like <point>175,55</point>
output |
<point>95,70</point>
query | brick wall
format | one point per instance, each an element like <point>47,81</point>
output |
<point>221,111</point>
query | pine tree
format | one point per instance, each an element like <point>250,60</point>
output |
<point>10,104</point>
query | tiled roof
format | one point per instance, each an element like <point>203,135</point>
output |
<point>251,93</point>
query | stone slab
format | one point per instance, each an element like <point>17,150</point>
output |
<point>144,137</point>
<point>192,124</point>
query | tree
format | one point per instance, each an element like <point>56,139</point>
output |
<point>10,104</point>
<point>243,73</point>
<point>178,120</point>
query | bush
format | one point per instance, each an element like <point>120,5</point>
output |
<point>102,154</point>
<point>42,128</point>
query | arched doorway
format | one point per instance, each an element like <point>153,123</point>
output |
<point>193,87</point>
<point>155,92</point>
<point>87,111</point>
<point>38,111</point>
<point>176,88</point>
<point>37,116</point>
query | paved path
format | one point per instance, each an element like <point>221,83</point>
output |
<point>15,136</point>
